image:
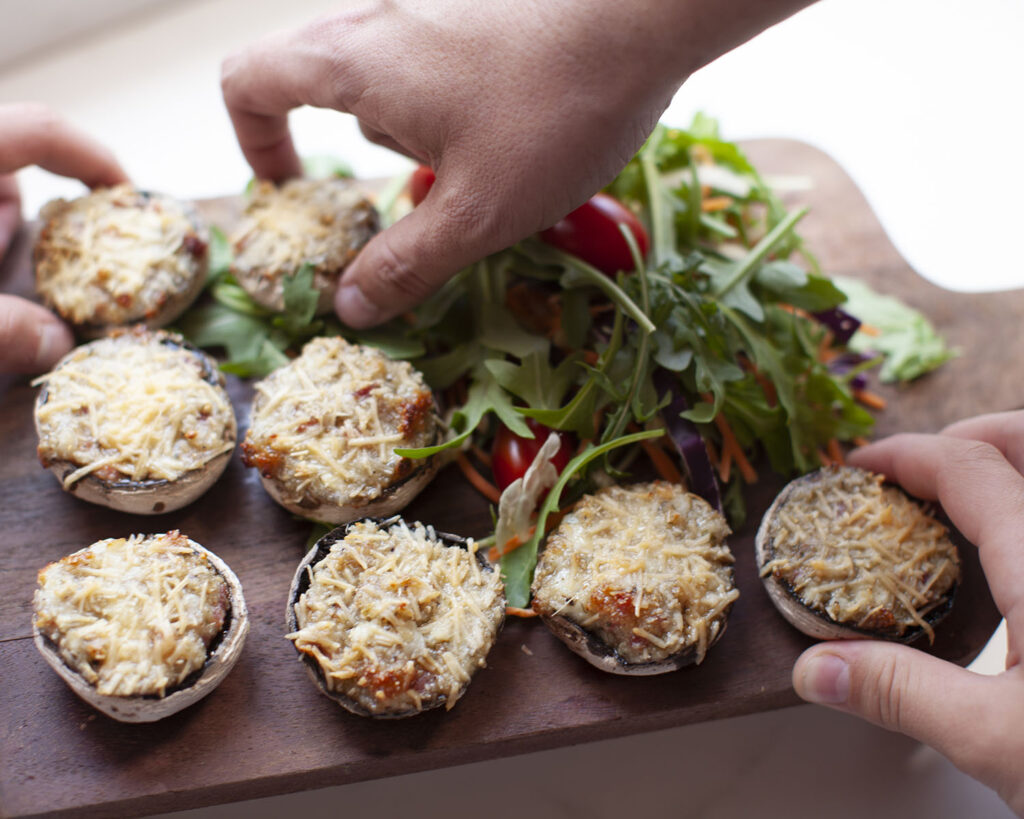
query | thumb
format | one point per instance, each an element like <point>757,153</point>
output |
<point>900,689</point>
<point>32,339</point>
<point>404,264</point>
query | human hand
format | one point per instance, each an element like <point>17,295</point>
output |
<point>975,469</point>
<point>32,339</point>
<point>523,108</point>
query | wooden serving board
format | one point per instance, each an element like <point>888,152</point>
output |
<point>266,730</point>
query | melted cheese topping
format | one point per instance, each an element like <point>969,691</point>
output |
<point>117,255</point>
<point>859,552</point>
<point>325,427</point>
<point>133,616</point>
<point>396,620</point>
<point>133,407</point>
<point>645,568</point>
<point>322,222</point>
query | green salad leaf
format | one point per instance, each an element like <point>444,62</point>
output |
<point>905,338</point>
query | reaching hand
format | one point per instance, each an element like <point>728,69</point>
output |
<point>31,337</point>
<point>975,469</point>
<point>523,108</point>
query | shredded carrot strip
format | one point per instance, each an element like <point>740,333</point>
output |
<point>479,482</point>
<point>715,203</point>
<point>767,387</point>
<point>860,440</point>
<point>597,309</point>
<point>591,357</point>
<point>662,462</point>
<point>725,465</point>
<point>825,460</point>
<point>870,399</point>
<point>869,330</point>
<point>481,456</point>
<point>835,451</point>
<point>712,453</point>
<point>730,444</point>
<point>494,554</point>
<point>796,311</point>
<point>825,351</point>
<point>513,611</point>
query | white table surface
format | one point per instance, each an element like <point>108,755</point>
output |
<point>920,101</point>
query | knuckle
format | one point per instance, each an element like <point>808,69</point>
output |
<point>885,688</point>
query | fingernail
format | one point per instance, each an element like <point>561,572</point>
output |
<point>825,680</point>
<point>54,340</point>
<point>354,308</point>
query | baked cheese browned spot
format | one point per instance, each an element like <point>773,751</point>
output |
<point>861,552</point>
<point>325,426</point>
<point>132,616</point>
<point>396,620</point>
<point>135,406</point>
<point>645,568</point>
<point>117,255</point>
<point>321,222</point>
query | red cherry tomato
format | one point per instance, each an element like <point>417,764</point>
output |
<point>592,233</point>
<point>420,183</point>
<point>511,454</point>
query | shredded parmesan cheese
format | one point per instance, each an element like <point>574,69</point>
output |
<point>135,406</point>
<point>861,553</point>
<point>645,568</point>
<point>325,427</point>
<point>396,620</point>
<point>322,222</point>
<point>135,616</point>
<point>117,255</point>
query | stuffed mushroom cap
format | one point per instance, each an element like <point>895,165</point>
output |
<point>392,619</point>
<point>842,554</point>
<point>140,627</point>
<point>138,421</point>
<point>118,256</point>
<point>325,428</point>
<point>637,579</point>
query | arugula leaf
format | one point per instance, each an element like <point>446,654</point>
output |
<point>909,342</point>
<point>215,325</point>
<point>300,298</point>
<point>786,282</point>
<point>267,359</point>
<point>220,256</point>
<point>534,380</point>
<point>485,396</point>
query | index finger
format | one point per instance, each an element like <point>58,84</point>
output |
<point>32,134</point>
<point>978,488</point>
<point>1004,430</point>
<point>264,82</point>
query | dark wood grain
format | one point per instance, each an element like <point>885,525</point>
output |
<point>266,730</point>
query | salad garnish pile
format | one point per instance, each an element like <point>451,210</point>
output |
<point>674,324</point>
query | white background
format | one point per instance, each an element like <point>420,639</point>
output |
<point>920,101</point>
